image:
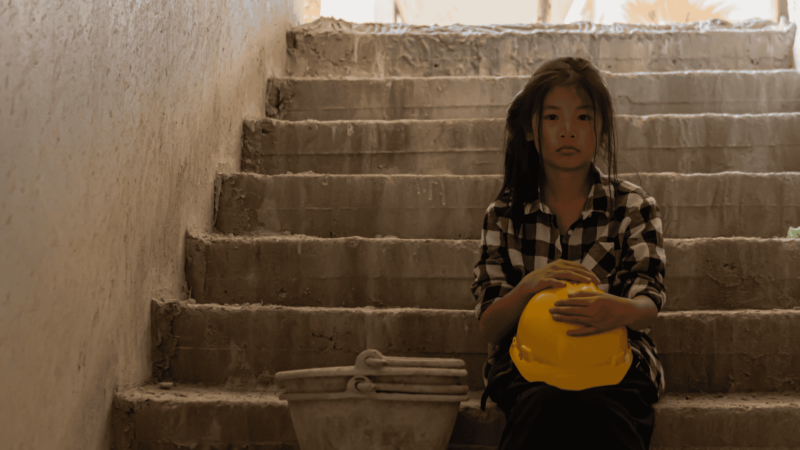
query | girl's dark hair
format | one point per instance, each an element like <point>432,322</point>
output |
<point>524,173</point>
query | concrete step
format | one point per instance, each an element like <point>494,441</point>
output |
<point>709,273</point>
<point>640,93</point>
<point>453,206</point>
<point>204,418</point>
<point>336,48</point>
<point>245,345</point>
<point>695,143</point>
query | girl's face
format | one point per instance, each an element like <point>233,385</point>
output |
<point>568,130</point>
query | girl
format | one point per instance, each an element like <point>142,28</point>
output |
<point>557,218</point>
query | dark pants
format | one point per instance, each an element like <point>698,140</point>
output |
<point>541,416</point>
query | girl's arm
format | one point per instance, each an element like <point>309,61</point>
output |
<point>643,264</point>
<point>646,313</point>
<point>501,317</point>
<point>496,280</point>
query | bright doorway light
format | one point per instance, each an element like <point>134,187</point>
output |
<point>359,11</point>
<point>664,11</point>
<point>475,12</point>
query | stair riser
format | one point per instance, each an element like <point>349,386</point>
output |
<point>453,207</point>
<point>424,55</point>
<point>729,352</point>
<point>682,144</point>
<point>702,274</point>
<point>265,425</point>
<point>170,424</point>
<point>700,427</point>
<point>244,346</point>
<point>181,424</point>
<point>475,98</point>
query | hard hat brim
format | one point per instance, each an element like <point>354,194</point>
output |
<point>572,379</point>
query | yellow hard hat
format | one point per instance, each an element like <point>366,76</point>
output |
<point>542,350</point>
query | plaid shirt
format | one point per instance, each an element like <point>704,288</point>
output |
<point>620,240</point>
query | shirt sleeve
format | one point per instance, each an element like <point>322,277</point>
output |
<point>643,259</point>
<point>495,276</point>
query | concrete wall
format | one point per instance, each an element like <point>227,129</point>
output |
<point>114,118</point>
<point>793,8</point>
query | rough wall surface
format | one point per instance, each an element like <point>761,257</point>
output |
<point>114,119</point>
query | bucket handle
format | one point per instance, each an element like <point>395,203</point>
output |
<point>362,385</point>
<point>373,359</point>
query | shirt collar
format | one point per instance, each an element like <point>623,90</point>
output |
<point>599,199</point>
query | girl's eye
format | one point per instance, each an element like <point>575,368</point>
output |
<point>584,116</point>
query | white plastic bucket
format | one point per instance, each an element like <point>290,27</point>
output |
<point>371,413</point>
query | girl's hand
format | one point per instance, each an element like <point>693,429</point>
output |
<point>597,312</point>
<point>556,275</point>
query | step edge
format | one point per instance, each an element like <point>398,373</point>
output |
<point>213,237</point>
<point>191,304</point>
<point>526,77</point>
<point>187,393</point>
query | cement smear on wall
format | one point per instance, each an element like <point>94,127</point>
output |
<point>114,119</point>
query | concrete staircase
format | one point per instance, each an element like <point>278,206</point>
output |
<point>355,223</point>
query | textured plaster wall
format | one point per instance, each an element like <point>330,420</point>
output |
<point>793,7</point>
<point>114,118</point>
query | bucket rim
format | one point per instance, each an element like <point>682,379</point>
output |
<point>349,371</point>
<point>322,396</point>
